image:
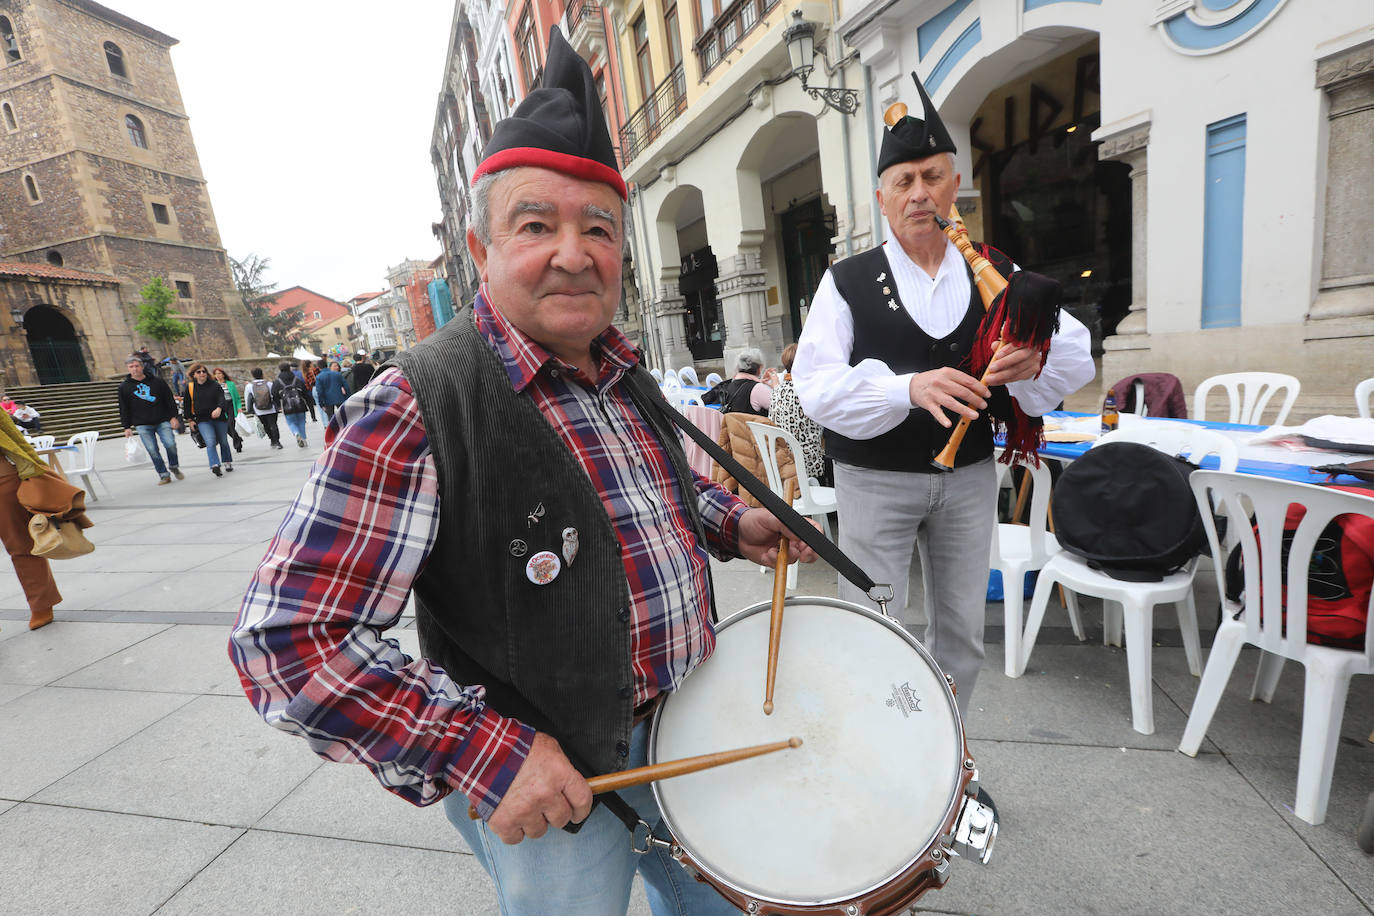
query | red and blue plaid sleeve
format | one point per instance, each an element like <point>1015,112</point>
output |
<point>720,513</point>
<point>308,644</point>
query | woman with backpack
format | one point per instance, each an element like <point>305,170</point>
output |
<point>295,400</point>
<point>261,401</point>
<point>206,408</point>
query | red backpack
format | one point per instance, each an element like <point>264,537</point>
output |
<point>1340,576</point>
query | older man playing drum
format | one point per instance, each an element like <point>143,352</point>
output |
<point>516,472</point>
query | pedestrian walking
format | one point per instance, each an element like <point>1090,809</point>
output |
<point>262,402</point>
<point>362,372</point>
<point>331,390</point>
<point>146,407</point>
<point>232,390</point>
<point>294,399</point>
<point>19,461</point>
<point>308,375</point>
<point>206,407</point>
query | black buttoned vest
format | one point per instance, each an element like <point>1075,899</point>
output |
<point>883,330</point>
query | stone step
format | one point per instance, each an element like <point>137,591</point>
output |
<point>74,407</point>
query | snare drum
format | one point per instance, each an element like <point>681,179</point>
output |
<point>862,818</point>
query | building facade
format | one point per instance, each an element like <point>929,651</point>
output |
<point>99,172</point>
<point>745,184</point>
<point>1199,173</point>
<point>326,324</point>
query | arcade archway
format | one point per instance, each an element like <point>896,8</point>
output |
<point>54,347</point>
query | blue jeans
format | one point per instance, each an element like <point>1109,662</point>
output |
<point>149,435</point>
<point>296,423</point>
<point>216,433</point>
<point>588,873</point>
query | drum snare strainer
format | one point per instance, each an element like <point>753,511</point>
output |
<point>862,818</point>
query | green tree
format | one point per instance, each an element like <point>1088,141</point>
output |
<point>154,319</point>
<point>284,331</point>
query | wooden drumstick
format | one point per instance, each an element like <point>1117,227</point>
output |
<point>775,619</point>
<point>614,782</point>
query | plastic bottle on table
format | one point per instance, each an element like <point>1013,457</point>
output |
<point>1110,417</point>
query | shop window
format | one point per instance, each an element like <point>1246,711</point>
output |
<point>137,136</point>
<point>114,57</point>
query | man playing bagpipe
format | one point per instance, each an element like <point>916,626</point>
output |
<point>887,363</point>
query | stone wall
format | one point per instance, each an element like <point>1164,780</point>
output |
<point>93,309</point>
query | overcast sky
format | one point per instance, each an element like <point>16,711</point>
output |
<point>313,122</point>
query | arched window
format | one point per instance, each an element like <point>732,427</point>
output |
<point>55,258</point>
<point>11,123</point>
<point>8,43</point>
<point>32,187</point>
<point>115,58</point>
<point>136,135</point>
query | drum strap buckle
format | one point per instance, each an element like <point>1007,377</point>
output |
<point>648,839</point>
<point>881,595</point>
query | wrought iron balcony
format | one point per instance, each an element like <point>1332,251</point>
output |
<point>735,21</point>
<point>669,100</point>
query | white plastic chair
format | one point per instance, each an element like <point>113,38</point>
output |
<point>1020,549</point>
<point>1132,604</point>
<point>688,376</point>
<point>1363,392</point>
<point>82,461</point>
<point>691,399</point>
<point>670,381</point>
<point>713,379</point>
<point>811,498</point>
<point>1249,393</point>
<point>1139,398</point>
<point>1280,636</point>
<point>43,441</point>
<point>657,373</point>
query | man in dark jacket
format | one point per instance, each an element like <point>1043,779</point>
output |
<point>331,390</point>
<point>362,373</point>
<point>146,405</point>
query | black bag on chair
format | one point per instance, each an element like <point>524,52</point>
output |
<point>1129,511</point>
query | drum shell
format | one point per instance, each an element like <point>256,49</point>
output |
<point>927,868</point>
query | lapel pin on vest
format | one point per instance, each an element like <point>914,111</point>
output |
<point>569,545</point>
<point>534,515</point>
<point>882,276</point>
<point>543,567</point>
<point>518,548</point>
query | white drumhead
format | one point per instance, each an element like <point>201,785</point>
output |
<point>865,795</point>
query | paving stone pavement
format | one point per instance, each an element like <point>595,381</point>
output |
<point>135,778</point>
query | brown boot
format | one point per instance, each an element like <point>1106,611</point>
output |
<point>40,618</point>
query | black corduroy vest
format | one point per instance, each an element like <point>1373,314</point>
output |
<point>883,330</point>
<point>555,656</point>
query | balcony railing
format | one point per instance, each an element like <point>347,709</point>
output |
<point>650,119</point>
<point>582,9</point>
<point>735,21</point>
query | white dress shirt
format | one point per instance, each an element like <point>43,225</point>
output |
<point>869,399</point>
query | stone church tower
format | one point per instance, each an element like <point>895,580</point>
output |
<point>98,173</point>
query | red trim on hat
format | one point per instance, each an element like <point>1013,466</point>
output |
<point>576,166</point>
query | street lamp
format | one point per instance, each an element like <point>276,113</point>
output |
<point>800,37</point>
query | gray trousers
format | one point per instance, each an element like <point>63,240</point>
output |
<point>886,515</point>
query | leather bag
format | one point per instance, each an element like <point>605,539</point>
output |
<point>54,539</point>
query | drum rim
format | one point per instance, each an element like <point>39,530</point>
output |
<point>959,780</point>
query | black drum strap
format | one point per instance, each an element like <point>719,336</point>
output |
<point>791,519</point>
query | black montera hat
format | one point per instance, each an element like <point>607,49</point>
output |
<point>558,126</point>
<point>915,138</point>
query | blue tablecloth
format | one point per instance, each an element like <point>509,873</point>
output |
<point>1300,473</point>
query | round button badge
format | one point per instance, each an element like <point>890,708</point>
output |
<point>543,567</point>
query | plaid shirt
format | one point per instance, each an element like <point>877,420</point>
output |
<point>308,643</point>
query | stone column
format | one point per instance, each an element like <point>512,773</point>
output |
<point>1128,141</point>
<point>669,311</point>
<point>742,291</point>
<point>1346,289</point>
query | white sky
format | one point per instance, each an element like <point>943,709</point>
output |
<point>313,120</point>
